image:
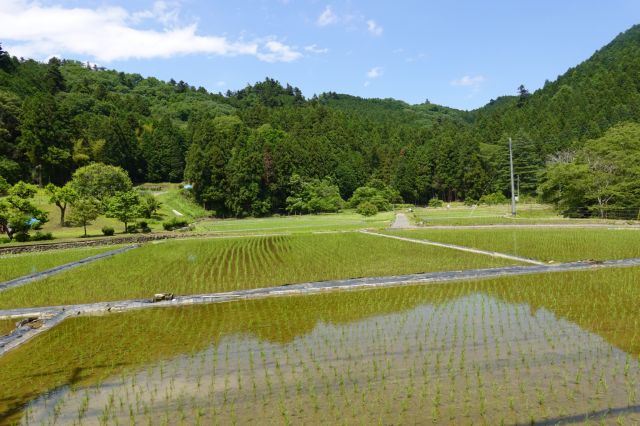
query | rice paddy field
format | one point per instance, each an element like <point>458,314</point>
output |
<point>17,265</point>
<point>553,348</point>
<point>344,221</point>
<point>218,265</point>
<point>460,214</point>
<point>552,244</point>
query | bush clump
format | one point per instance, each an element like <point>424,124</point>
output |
<point>435,202</point>
<point>42,236</point>
<point>367,208</point>
<point>21,237</point>
<point>174,223</point>
<point>108,231</point>
<point>493,199</point>
<point>143,226</point>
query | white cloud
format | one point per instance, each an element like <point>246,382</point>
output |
<point>469,81</point>
<point>374,28</point>
<point>30,29</point>
<point>327,17</point>
<point>221,83</point>
<point>274,51</point>
<point>167,13</point>
<point>374,72</point>
<point>313,48</point>
<point>367,83</point>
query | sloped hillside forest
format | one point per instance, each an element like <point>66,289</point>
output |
<point>257,150</point>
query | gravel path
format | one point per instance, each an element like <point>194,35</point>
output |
<point>53,315</point>
<point>459,248</point>
<point>26,279</point>
<point>402,222</point>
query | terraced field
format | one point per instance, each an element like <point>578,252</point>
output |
<point>551,348</point>
<point>13,266</point>
<point>553,244</point>
<point>217,265</point>
<point>344,221</point>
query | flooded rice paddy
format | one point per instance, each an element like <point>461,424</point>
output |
<point>514,351</point>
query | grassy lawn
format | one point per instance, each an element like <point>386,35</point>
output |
<point>53,225</point>
<point>17,265</point>
<point>216,265</point>
<point>556,244</point>
<point>365,346</point>
<point>172,199</point>
<point>344,221</point>
<point>168,194</point>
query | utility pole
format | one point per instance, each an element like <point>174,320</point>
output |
<point>513,189</point>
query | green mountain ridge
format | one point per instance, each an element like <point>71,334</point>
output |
<point>242,148</point>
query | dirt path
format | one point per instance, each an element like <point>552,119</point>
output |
<point>52,315</point>
<point>26,279</point>
<point>402,222</point>
<point>459,248</point>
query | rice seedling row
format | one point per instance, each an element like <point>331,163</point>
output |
<point>6,326</point>
<point>20,281</point>
<point>219,265</point>
<point>17,265</point>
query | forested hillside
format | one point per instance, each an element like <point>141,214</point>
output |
<point>247,152</point>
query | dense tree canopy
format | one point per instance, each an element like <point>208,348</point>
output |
<point>602,178</point>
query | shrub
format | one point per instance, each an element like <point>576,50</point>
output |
<point>435,202</point>
<point>367,208</point>
<point>21,237</point>
<point>42,236</point>
<point>492,199</point>
<point>108,231</point>
<point>174,223</point>
<point>149,205</point>
<point>144,226</point>
<point>132,229</point>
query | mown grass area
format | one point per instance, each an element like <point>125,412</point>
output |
<point>511,350</point>
<point>554,244</point>
<point>344,221</point>
<point>216,265</point>
<point>41,200</point>
<point>17,265</point>
<point>170,195</point>
<point>173,199</point>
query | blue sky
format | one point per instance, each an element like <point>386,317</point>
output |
<point>459,53</point>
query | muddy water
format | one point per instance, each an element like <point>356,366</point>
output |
<point>474,358</point>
